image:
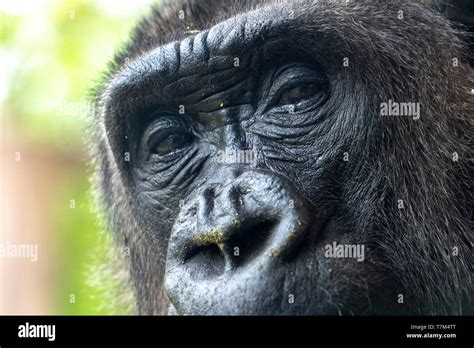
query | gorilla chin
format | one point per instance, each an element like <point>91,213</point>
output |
<point>334,208</point>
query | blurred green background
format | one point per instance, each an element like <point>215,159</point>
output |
<point>51,54</point>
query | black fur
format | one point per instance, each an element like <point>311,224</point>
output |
<point>410,250</point>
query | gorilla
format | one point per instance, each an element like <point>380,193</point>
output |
<point>275,157</point>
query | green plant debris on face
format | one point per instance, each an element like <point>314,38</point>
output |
<point>236,222</point>
<point>274,253</point>
<point>214,236</point>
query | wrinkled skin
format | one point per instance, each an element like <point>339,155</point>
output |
<point>328,168</point>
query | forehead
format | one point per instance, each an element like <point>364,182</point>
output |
<point>175,20</point>
<point>230,50</point>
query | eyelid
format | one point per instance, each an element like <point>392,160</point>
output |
<point>299,74</point>
<point>277,90</point>
<point>289,85</point>
<point>294,67</point>
<point>157,137</point>
<point>164,126</point>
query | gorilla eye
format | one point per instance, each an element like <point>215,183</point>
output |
<point>171,141</point>
<point>298,93</point>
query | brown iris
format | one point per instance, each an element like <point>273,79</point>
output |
<point>172,142</point>
<point>298,93</point>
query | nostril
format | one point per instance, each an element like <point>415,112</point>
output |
<point>250,240</point>
<point>205,261</point>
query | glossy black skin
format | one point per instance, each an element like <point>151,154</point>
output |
<point>318,177</point>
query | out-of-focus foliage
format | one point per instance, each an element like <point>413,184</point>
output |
<point>51,55</point>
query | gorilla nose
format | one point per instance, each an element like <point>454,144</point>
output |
<point>252,222</point>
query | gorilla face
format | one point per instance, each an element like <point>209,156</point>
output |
<point>248,167</point>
